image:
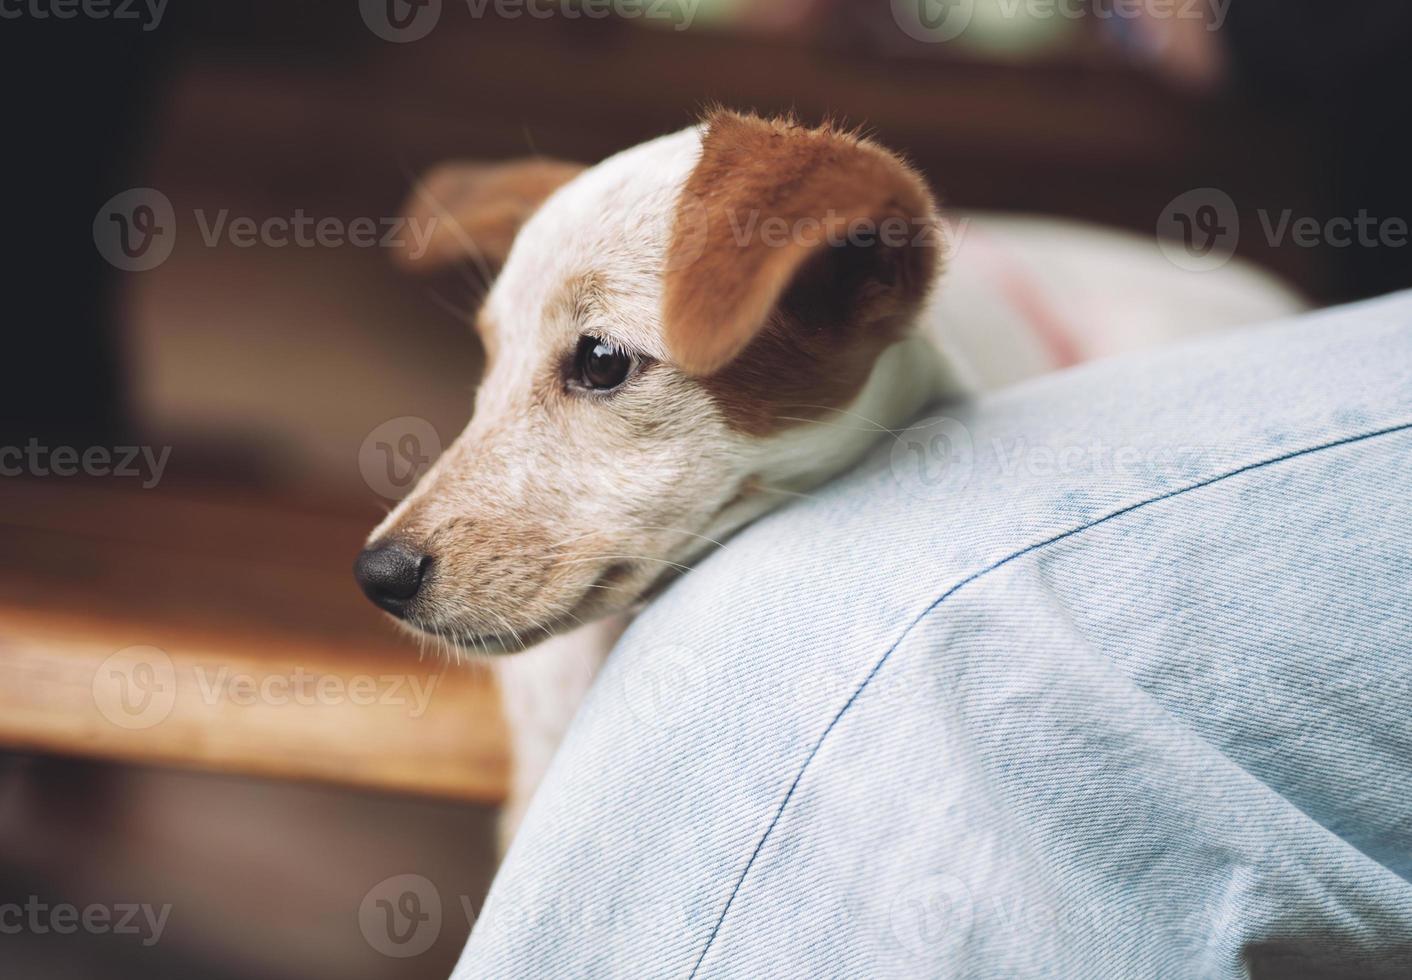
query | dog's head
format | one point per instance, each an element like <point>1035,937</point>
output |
<point>673,342</point>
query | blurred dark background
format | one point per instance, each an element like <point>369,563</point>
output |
<point>265,370</point>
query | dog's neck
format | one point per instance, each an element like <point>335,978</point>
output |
<point>907,376</point>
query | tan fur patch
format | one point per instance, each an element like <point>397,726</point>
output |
<point>817,248</point>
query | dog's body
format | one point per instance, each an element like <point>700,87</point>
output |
<point>680,339</point>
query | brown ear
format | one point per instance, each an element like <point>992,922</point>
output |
<point>474,210</point>
<point>779,221</point>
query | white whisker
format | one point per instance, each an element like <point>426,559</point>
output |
<point>634,527</point>
<point>843,411</point>
<point>835,425</point>
<point>449,222</point>
<point>665,561</point>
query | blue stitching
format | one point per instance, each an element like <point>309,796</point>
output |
<point>967,581</point>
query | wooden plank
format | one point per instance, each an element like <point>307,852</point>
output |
<point>125,633</point>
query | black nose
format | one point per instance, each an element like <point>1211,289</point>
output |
<point>390,575</point>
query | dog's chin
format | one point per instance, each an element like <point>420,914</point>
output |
<point>461,641</point>
<point>468,640</point>
<point>494,644</point>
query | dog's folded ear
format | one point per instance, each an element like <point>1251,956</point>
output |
<point>474,210</point>
<point>786,227</point>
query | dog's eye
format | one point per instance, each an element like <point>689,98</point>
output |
<point>602,365</point>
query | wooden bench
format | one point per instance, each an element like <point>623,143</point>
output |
<point>204,630</point>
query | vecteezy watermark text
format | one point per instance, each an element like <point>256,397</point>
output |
<point>121,919</point>
<point>403,21</point>
<point>834,229</point>
<point>35,459</point>
<point>936,457</point>
<point>403,916</point>
<point>1200,229</point>
<point>136,688</point>
<point>148,11</point>
<point>304,231</point>
<point>137,229</point>
<point>679,12</point>
<point>311,689</point>
<point>936,21</point>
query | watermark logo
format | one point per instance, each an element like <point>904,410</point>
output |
<point>136,229</point>
<point>933,21</point>
<point>933,458</point>
<point>135,688</point>
<point>396,454</point>
<point>932,916</point>
<point>401,916</point>
<point>662,684</point>
<point>1198,230</point>
<point>400,21</point>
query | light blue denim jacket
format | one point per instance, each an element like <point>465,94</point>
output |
<point>1108,675</point>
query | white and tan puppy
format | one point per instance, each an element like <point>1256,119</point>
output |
<point>678,340</point>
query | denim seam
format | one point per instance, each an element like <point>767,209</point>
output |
<point>974,576</point>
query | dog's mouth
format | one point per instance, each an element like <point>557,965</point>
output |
<point>589,606</point>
